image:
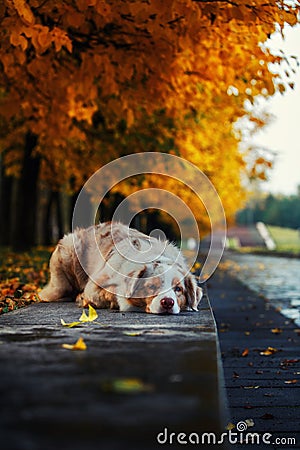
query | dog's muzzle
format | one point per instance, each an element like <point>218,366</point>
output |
<point>167,303</point>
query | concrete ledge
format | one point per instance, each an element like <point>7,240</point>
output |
<point>56,398</point>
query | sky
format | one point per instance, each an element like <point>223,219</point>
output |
<point>283,134</point>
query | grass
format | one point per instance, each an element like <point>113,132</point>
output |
<point>286,239</point>
<point>287,242</point>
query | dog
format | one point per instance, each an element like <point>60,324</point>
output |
<point>113,266</point>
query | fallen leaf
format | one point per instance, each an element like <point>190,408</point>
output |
<point>127,386</point>
<point>267,416</point>
<point>249,422</point>
<point>133,333</point>
<point>291,381</point>
<point>269,351</point>
<point>276,330</point>
<point>79,345</point>
<point>245,352</point>
<point>82,319</point>
<point>288,362</point>
<point>69,325</point>
<point>230,426</point>
<point>247,333</point>
<point>91,317</point>
<point>250,387</point>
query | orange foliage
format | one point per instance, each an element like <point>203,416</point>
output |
<point>89,77</point>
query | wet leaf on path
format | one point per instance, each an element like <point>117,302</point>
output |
<point>127,386</point>
<point>276,330</point>
<point>267,416</point>
<point>269,351</point>
<point>91,317</point>
<point>84,318</point>
<point>79,345</point>
<point>70,325</point>
<point>249,422</point>
<point>291,381</point>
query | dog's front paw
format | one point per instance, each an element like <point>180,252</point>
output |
<point>82,301</point>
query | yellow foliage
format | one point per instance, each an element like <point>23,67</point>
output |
<point>89,78</point>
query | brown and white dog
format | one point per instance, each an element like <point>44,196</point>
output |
<point>113,266</point>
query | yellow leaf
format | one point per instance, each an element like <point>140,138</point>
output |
<point>84,317</point>
<point>79,345</point>
<point>91,317</point>
<point>127,386</point>
<point>92,314</point>
<point>133,333</point>
<point>69,325</point>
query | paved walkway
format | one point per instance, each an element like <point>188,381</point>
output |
<point>139,375</point>
<point>143,373</point>
<point>264,388</point>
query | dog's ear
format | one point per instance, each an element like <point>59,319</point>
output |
<point>131,281</point>
<point>194,293</point>
<point>123,281</point>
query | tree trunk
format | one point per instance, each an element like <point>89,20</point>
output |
<point>24,234</point>
<point>6,194</point>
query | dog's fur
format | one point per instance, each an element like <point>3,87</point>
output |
<point>105,266</point>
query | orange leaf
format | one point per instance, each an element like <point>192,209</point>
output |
<point>291,381</point>
<point>24,11</point>
<point>269,351</point>
<point>276,330</point>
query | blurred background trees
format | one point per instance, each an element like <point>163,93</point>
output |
<point>280,210</point>
<point>83,82</point>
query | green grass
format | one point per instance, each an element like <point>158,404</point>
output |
<point>286,239</point>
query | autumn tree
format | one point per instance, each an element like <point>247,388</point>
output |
<point>89,80</point>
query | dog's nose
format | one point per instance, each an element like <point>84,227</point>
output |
<point>167,303</point>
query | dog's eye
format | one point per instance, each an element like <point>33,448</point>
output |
<point>177,289</point>
<point>152,287</point>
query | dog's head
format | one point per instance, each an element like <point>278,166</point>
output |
<point>161,285</point>
<point>158,290</point>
